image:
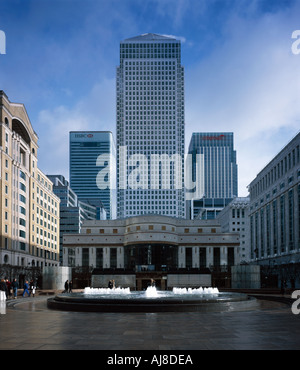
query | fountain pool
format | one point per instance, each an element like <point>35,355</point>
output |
<point>151,300</point>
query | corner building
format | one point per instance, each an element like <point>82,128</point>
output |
<point>150,127</point>
<point>173,251</point>
<point>29,218</point>
<point>275,215</point>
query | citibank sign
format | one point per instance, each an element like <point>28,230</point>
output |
<point>220,137</point>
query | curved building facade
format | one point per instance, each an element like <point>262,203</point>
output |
<point>151,244</point>
<point>29,219</point>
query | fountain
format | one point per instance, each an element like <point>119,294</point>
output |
<point>152,300</point>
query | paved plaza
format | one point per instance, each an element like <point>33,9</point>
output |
<point>28,324</point>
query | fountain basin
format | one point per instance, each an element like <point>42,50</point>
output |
<point>155,301</point>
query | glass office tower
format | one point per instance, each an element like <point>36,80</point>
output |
<point>219,172</point>
<point>150,127</point>
<point>92,169</point>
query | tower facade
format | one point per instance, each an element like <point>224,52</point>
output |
<point>92,169</point>
<point>219,172</point>
<point>150,127</point>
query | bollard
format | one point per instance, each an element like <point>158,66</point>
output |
<point>2,296</point>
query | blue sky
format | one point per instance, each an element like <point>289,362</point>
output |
<point>240,72</point>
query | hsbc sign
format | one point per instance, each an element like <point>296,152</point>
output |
<point>84,135</point>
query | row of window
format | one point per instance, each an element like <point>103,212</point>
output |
<point>151,227</point>
<point>276,172</point>
<point>273,227</point>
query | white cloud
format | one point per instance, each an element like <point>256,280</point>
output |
<point>95,112</point>
<point>249,85</point>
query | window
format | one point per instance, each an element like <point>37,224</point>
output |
<point>115,231</point>
<point>22,175</point>
<point>22,222</point>
<point>22,187</point>
<point>101,231</point>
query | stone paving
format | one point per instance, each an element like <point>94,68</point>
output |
<point>29,325</point>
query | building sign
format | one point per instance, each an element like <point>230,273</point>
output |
<point>220,137</point>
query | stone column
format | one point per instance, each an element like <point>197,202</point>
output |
<point>223,256</point>
<point>120,257</point>
<point>106,257</point>
<point>196,260</point>
<point>92,257</point>
<point>181,257</point>
<point>78,256</point>
<point>209,256</point>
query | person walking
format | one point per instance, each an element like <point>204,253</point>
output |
<point>26,287</point>
<point>70,286</point>
<point>32,288</point>
<point>8,286</point>
<point>15,287</point>
<point>3,287</point>
<point>66,286</point>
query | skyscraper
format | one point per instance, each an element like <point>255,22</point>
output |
<point>219,171</point>
<point>150,127</point>
<point>92,169</point>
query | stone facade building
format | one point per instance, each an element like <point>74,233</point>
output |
<point>29,218</point>
<point>152,246</point>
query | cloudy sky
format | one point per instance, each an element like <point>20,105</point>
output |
<point>240,72</point>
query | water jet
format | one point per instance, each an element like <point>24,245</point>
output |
<point>151,300</point>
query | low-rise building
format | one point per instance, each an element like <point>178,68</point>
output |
<point>235,218</point>
<point>151,244</point>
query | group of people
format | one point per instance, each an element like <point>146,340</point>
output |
<point>68,286</point>
<point>12,288</point>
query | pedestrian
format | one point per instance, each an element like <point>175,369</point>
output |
<point>32,288</point>
<point>66,286</point>
<point>3,287</point>
<point>15,287</point>
<point>110,284</point>
<point>8,285</point>
<point>70,286</point>
<point>26,287</point>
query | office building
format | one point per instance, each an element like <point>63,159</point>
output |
<point>72,211</point>
<point>92,169</point>
<point>29,218</point>
<point>219,172</point>
<point>235,218</point>
<point>274,213</point>
<point>150,127</point>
